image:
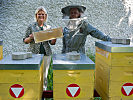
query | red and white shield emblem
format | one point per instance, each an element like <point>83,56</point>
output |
<point>73,90</point>
<point>16,91</point>
<point>127,89</point>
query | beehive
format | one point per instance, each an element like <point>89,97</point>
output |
<point>73,80</point>
<point>114,68</point>
<point>1,49</point>
<point>21,79</point>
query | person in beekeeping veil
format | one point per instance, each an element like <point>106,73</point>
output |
<point>77,29</point>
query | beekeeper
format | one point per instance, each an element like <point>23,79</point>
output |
<point>77,29</point>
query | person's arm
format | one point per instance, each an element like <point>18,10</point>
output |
<point>29,39</point>
<point>96,33</point>
<point>29,36</point>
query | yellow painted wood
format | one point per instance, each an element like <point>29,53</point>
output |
<point>112,71</point>
<point>26,76</point>
<point>78,76</point>
<point>31,80</point>
<point>29,89</point>
<point>1,52</point>
<point>102,67</point>
<point>122,59</point>
<point>118,75</point>
<point>102,75</point>
<point>63,78</point>
<point>74,99</point>
<point>111,95</point>
<point>102,83</point>
<point>119,98</point>
<point>105,55</point>
<point>101,92</point>
<point>60,91</point>
<point>115,90</point>
<point>115,59</point>
<point>121,74</point>
<point>19,98</point>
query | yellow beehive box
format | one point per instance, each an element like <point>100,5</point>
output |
<point>114,71</point>
<point>73,80</point>
<point>21,79</point>
<point>1,50</point>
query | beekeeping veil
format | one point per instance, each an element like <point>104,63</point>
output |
<point>73,24</point>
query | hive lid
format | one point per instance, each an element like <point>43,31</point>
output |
<point>61,62</point>
<point>108,46</point>
<point>33,63</point>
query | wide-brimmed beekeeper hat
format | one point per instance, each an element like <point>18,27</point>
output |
<point>66,10</point>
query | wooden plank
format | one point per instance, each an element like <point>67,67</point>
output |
<point>115,89</point>
<point>102,75</point>
<point>115,59</point>
<point>122,59</point>
<point>121,74</point>
<point>120,98</point>
<point>104,55</point>
<point>1,52</point>
<point>74,99</point>
<point>19,98</point>
<point>102,83</point>
<point>25,76</point>
<point>102,69</point>
<point>47,35</point>
<point>77,76</point>
<point>86,91</point>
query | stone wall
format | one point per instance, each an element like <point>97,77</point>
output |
<point>112,17</point>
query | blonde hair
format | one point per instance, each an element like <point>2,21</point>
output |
<point>39,9</point>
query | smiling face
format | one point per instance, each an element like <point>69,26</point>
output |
<point>74,13</point>
<point>41,16</point>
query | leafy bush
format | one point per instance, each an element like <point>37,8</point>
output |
<point>50,77</point>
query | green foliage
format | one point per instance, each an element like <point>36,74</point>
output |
<point>97,98</point>
<point>50,77</point>
<point>91,56</point>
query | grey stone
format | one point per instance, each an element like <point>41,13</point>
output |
<point>73,55</point>
<point>29,54</point>
<point>19,55</point>
<point>120,41</point>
